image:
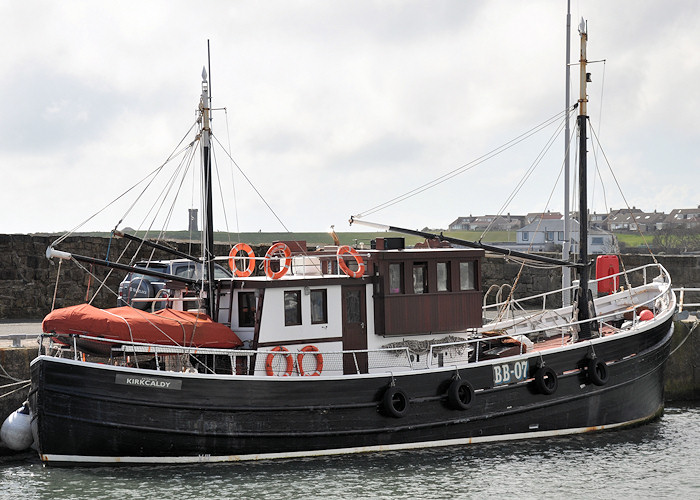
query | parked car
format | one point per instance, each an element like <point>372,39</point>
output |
<point>141,286</point>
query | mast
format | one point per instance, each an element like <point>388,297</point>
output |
<point>565,273</point>
<point>208,247</point>
<point>582,305</point>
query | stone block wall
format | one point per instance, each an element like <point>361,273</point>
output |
<point>27,278</point>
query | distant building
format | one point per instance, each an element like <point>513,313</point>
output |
<point>533,216</point>
<point>548,235</point>
<point>492,222</point>
<point>688,218</point>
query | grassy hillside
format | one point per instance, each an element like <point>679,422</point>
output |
<point>314,239</point>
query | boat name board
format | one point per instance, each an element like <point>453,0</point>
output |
<point>510,373</point>
<point>156,383</point>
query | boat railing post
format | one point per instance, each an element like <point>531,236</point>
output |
<point>75,347</point>
<point>354,358</point>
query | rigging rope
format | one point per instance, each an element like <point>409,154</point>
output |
<point>464,168</point>
<point>251,184</point>
<point>623,196</point>
<point>149,175</point>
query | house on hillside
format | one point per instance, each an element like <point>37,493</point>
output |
<point>636,221</point>
<point>548,235</point>
<point>492,222</point>
<point>688,218</point>
<point>533,216</point>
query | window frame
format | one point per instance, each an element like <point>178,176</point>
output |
<point>287,320</point>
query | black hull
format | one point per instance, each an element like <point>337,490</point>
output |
<point>84,412</point>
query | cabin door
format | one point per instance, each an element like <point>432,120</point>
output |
<point>354,328</point>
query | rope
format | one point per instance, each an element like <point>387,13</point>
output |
<point>646,244</point>
<point>695,324</point>
<point>251,184</point>
<point>55,289</point>
<point>7,375</point>
<point>464,168</point>
<point>16,390</point>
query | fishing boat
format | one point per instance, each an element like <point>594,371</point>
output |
<point>350,349</point>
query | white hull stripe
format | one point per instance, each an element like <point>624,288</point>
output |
<point>340,451</point>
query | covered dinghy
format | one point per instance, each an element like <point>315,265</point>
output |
<point>126,324</point>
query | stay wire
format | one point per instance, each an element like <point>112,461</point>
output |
<point>619,188</point>
<point>536,162</point>
<point>151,175</point>
<point>464,168</point>
<point>251,184</point>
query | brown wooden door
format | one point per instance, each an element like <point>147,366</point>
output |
<point>354,328</point>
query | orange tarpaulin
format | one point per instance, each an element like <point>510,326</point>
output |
<point>164,327</point>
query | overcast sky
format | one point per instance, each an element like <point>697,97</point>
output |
<point>333,107</point>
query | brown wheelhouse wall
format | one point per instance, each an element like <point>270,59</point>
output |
<point>410,313</point>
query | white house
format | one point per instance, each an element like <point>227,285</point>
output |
<point>545,235</point>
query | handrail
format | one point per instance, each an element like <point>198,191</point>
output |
<point>544,295</point>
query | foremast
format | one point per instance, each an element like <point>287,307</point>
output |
<point>208,236</point>
<point>583,302</point>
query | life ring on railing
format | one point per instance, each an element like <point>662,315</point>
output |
<point>319,361</point>
<point>270,357</point>
<point>346,249</point>
<point>241,247</point>
<point>278,247</point>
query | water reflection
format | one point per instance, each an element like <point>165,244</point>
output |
<point>656,460</point>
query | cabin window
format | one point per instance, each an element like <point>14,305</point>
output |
<point>549,236</point>
<point>319,306</point>
<point>597,240</point>
<point>396,278</point>
<point>353,307</point>
<point>420,277</point>
<point>561,236</point>
<point>246,308</point>
<point>292,308</point>
<point>467,276</point>
<point>526,236</point>
<point>443,276</point>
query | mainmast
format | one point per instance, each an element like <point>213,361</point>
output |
<point>582,303</point>
<point>208,246</point>
<point>566,274</point>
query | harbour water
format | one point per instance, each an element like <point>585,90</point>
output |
<point>657,460</point>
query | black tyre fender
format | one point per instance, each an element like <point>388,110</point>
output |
<point>597,371</point>
<point>546,380</point>
<point>395,402</point>
<point>460,394</point>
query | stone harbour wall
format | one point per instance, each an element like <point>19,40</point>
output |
<point>28,278</point>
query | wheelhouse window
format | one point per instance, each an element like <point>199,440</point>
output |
<point>443,276</point>
<point>319,306</point>
<point>246,309</point>
<point>396,278</point>
<point>420,277</point>
<point>292,308</point>
<point>467,276</point>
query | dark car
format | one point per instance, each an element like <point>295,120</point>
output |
<point>141,286</point>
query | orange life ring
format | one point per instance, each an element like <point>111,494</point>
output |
<point>241,247</point>
<point>319,361</point>
<point>270,357</point>
<point>346,249</point>
<point>278,247</point>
